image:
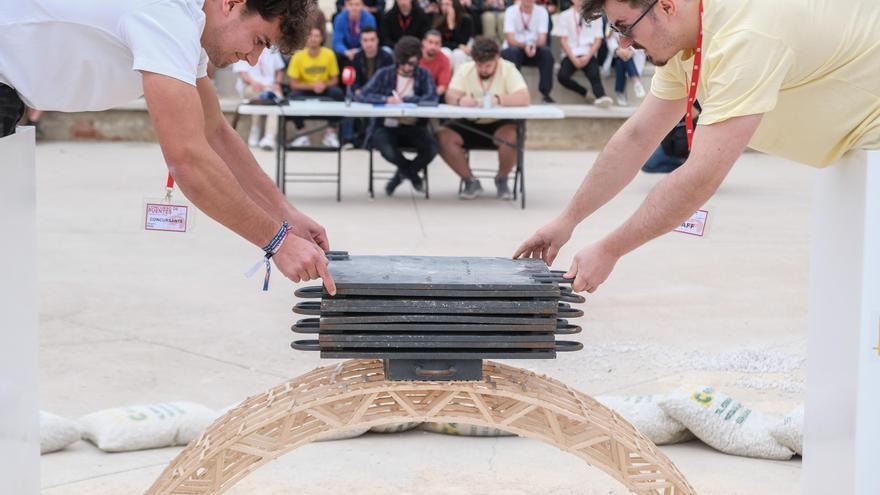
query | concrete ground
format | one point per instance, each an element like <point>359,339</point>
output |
<point>129,317</point>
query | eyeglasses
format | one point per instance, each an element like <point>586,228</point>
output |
<point>628,31</point>
<point>411,62</point>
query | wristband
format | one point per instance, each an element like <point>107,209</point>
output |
<point>270,249</point>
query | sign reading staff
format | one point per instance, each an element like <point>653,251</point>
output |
<point>695,225</point>
<point>166,217</point>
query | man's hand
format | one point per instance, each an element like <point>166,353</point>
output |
<point>624,54</point>
<point>256,87</point>
<point>351,52</point>
<point>393,100</point>
<point>319,87</point>
<point>531,50</point>
<point>590,267</point>
<point>467,101</point>
<point>546,242</point>
<point>582,61</point>
<point>302,260</point>
<point>308,229</point>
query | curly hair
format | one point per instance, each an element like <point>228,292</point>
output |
<point>484,49</point>
<point>297,19</point>
<point>406,48</point>
<point>594,9</point>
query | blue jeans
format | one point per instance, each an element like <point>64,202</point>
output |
<point>624,69</point>
<point>661,163</point>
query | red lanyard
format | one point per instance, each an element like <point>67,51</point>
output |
<point>404,24</point>
<point>354,27</point>
<point>169,183</point>
<point>695,80</point>
<point>525,20</point>
<point>578,21</point>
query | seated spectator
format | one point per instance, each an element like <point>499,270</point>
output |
<point>261,81</point>
<point>622,60</point>
<point>436,62</point>
<point>404,19</point>
<point>370,59</point>
<point>347,27</point>
<point>525,28</point>
<point>474,8</point>
<point>404,82</point>
<point>457,28</point>
<point>314,73</point>
<point>487,81</point>
<point>580,40</point>
<point>493,18</point>
<point>375,7</point>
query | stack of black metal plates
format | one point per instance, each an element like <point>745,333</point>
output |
<point>449,309</point>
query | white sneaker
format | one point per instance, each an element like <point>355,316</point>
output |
<point>638,89</point>
<point>301,142</point>
<point>268,142</point>
<point>254,136</point>
<point>330,140</point>
<point>621,100</point>
<point>603,102</point>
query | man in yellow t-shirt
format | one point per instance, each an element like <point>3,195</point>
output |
<point>795,78</point>
<point>487,81</point>
<point>314,73</point>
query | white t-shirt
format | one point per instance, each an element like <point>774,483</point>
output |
<point>580,34</point>
<point>526,28</point>
<point>269,63</point>
<point>79,55</point>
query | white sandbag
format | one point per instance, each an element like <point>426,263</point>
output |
<point>56,432</point>
<point>342,435</point>
<point>123,429</point>
<point>395,427</point>
<point>790,431</point>
<point>643,412</point>
<point>724,423</point>
<point>464,430</point>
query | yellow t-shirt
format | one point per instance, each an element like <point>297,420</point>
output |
<point>507,80</point>
<point>812,67</point>
<point>307,69</point>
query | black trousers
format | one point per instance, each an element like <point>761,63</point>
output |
<point>543,59</point>
<point>11,110</point>
<point>591,70</point>
<point>334,93</point>
<point>389,140</point>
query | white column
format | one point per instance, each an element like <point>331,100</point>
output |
<point>19,366</point>
<point>842,433</point>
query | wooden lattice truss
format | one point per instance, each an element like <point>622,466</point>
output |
<point>355,394</point>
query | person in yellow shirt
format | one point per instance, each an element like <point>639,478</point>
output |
<point>314,73</point>
<point>795,78</point>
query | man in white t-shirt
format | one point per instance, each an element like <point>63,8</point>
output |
<point>580,40</point>
<point>525,30</point>
<point>109,53</point>
<point>261,81</point>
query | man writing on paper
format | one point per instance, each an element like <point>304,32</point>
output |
<point>118,51</point>
<point>797,79</point>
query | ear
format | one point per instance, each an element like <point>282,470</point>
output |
<point>668,7</point>
<point>229,5</point>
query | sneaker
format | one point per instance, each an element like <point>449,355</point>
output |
<point>472,189</point>
<point>603,102</point>
<point>301,142</point>
<point>638,89</point>
<point>418,184</point>
<point>548,99</point>
<point>503,190</point>
<point>392,184</point>
<point>621,100</point>
<point>330,140</point>
<point>254,136</point>
<point>268,143</point>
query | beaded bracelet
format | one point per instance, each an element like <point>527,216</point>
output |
<point>270,249</point>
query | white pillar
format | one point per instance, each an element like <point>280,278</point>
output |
<point>842,433</point>
<point>19,366</point>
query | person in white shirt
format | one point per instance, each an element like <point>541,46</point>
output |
<point>261,81</point>
<point>580,40</point>
<point>525,29</point>
<point>109,53</point>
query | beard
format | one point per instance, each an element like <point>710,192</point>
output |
<point>210,42</point>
